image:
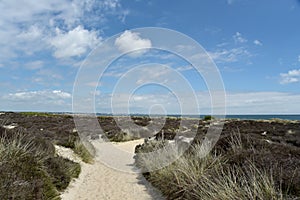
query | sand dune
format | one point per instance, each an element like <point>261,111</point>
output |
<point>98,181</point>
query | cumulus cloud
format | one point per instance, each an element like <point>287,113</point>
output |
<point>130,41</point>
<point>257,42</point>
<point>238,38</point>
<point>75,42</point>
<point>291,76</point>
<point>27,26</point>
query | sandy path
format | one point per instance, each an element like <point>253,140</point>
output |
<point>98,181</point>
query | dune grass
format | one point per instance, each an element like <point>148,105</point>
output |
<point>83,152</point>
<point>211,177</point>
<point>29,171</point>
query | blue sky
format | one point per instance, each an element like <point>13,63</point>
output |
<point>255,45</point>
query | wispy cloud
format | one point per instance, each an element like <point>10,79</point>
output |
<point>292,76</point>
<point>238,38</point>
<point>230,55</point>
<point>185,68</point>
<point>34,65</point>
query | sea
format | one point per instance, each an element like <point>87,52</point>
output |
<point>242,117</point>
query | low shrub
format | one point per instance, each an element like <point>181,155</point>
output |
<point>208,117</point>
<point>122,137</point>
<point>62,171</point>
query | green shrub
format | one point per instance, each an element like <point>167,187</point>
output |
<point>208,117</point>
<point>62,171</point>
<point>69,142</point>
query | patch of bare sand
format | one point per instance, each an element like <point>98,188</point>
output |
<point>98,181</point>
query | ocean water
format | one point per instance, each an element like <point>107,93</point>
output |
<point>243,117</point>
<point>266,117</point>
<point>256,117</point>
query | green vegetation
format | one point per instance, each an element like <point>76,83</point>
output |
<point>78,147</point>
<point>43,114</point>
<point>208,117</point>
<point>61,171</point>
<point>81,150</point>
<point>69,142</point>
<point>215,176</point>
<point>29,170</point>
<point>122,137</point>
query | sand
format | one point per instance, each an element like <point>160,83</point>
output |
<point>99,181</point>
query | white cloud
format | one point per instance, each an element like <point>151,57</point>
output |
<point>38,64</point>
<point>237,103</point>
<point>257,42</point>
<point>185,68</point>
<point>93,84</point>
<point>111,4</point>
<point>42,100</point>
<point>130,41</point>
<point>262,103</point>
<point>61,94</point>
<point>291,76</point>
<point>38,95</point>
<point>159,74</point>
<point>75,42</point>
<point>32,33</point>
<point>219,55</point>
<point>230,55</point>
<point>27,26</point>
<point>238,38</point>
